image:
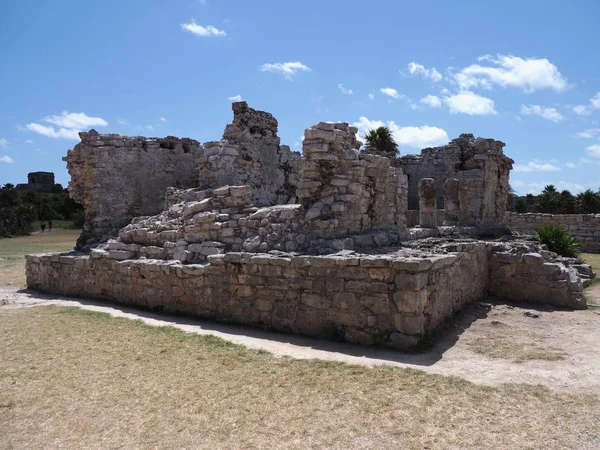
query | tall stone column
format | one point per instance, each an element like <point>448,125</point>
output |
<point>427,203</point>
<point>451,201</point>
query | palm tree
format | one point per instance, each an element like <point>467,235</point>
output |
<point>381,142</point>
<point>588,202</point>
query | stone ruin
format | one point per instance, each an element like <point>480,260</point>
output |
<point>39,181</point>
<point>324,243</point>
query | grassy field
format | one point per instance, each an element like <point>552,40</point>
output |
<point>76,379</point>
<point>71,378</point>
<point>13,250</point>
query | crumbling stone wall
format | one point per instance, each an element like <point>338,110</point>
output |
<point>250,154</point>
<point>532,278</point>
<point>344,191</point>
<point>481,168</point>
<point>117,178</point>
<point>585,227</point>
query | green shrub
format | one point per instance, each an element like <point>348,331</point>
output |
<point>559,240</point>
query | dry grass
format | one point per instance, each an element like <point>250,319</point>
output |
<point>592,293</point>
<point>593,259</point>
<point>513,344</point>
<point>75,379</point>
<point>13,250</point>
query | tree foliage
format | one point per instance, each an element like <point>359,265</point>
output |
<point>380,141</point>
<point>20,209</point>
<point>553,202</point>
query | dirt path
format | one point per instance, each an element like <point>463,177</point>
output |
<point>565,343</point>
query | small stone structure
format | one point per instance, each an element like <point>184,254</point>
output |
<point>39,181</point>
<point>316,244</point>
<point>481,168</point>
<point>585,227</point>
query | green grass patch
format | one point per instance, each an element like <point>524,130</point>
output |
<point>593,259</point>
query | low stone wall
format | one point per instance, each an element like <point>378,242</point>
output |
<point>529,277</point>
<point>367,299</point>
<point>391,299</point>
<point>585,227</point>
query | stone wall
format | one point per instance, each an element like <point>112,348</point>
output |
<point>532,278</point>
<point>250,154</point>
<point>585,227</point>
<point>393,298</point>
<point>369,299</point>
<point>117,178</point>
<point>481,168</point>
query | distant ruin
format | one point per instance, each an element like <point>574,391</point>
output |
<point>333,242</point>
<point>39,181</point>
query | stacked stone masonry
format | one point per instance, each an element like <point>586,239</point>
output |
<point>250,154</point>
<point>390,299</point>
<point>585,227</point>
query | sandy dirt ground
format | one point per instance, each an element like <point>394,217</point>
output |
<point>568,341</point>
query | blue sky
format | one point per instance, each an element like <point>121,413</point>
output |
<point>524,72</point>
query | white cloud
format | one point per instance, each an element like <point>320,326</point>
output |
<point>535,188</point>
<point>536,166</point>
<point>149,128</point>
<point>28,141</point>
<point>547,113</point>
<point>6,159</point>
<point>3,143</point>
<point>581,163</point>
<point>78,121</point>
<point>589,133</point>
<point>235,98</point>
<point>287,69</point>
<point>593,150</point>
<point>371,96</point>
<point>163,119</point>
<point>61,133</point>
<point>431,100</point>
<point>390,92</point>
<point>204,31</point>
<point>344,90</point>
<point>68,125</point>
<point>467,102</point>
<point>122,122</point>
<point>583,110</point>
<point>419,69</point>
<point>416,137</point>
<point>529,74</point>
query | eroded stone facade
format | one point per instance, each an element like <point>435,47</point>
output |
<point>481,168</point>
<point>117,178</point>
